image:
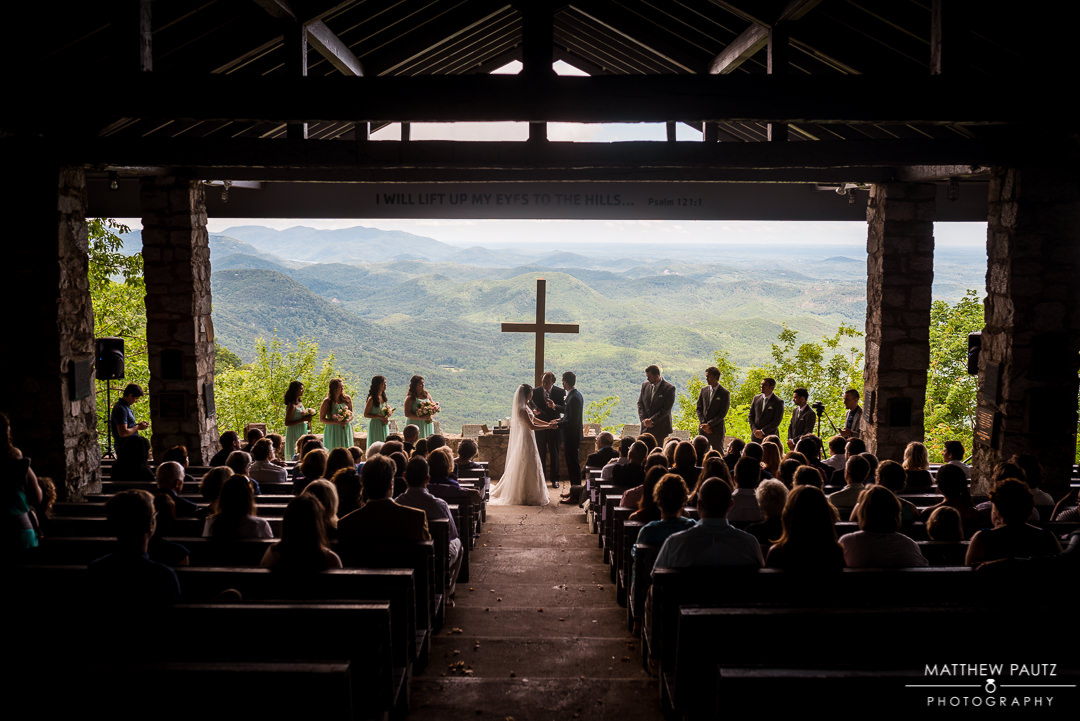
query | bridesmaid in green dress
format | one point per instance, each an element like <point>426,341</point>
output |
<point>378,411</point>
<point>296,417</point>
<point>418,393</point>
<point>339,431</point>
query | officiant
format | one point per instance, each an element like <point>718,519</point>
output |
<point>549,402</point>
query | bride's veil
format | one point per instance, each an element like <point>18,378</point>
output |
<point>520,428</point>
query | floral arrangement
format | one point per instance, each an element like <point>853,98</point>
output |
<point>427,408</point>
<point>343,416</point>
<point>385,411</point>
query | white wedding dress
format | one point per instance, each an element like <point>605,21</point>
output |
<point>522,482</point>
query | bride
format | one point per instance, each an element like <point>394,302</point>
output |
<point>522,482</point>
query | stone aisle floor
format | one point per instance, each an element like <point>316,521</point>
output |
<point>536,633</point>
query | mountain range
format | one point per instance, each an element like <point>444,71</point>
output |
<point>395,303</point>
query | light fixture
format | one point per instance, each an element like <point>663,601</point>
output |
<point>114,180</point>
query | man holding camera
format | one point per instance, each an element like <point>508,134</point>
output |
<point>802,418</point>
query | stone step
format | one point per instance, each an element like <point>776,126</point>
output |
<point>560,657</point>
<point>520,595</point>
<point>498,620</point>
<point>533,699</point>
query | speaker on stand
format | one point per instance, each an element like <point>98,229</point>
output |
<point>109,364</point>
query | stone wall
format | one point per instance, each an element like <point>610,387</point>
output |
<point>900,272</point>
<point>51,327</point>
<point>179,330</point>
<point>1031,342</point>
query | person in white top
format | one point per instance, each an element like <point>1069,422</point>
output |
<point>712,541</point>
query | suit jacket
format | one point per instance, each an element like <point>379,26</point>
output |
<point>766,416</point>
<point>658,410</point>
<point>558,397</point>
<point>802,422</point>
<point>571,424</point>
<point>383,520</point>
<point>600,458</point>
<point>714,412</point>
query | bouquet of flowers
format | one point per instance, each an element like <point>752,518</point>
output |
<point>428,408</point>
<point>343,416</point>
<point>386,411</point>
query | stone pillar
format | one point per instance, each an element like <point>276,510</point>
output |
<point>48,359</point>
<point>179,332</point>
<point>1031,342</point>
<point>900,271</point>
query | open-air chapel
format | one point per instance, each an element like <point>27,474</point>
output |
<point>900,114</point>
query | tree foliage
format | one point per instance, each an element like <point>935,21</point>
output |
<point>600,412</point>
<point>255,392</point>
<point>118,299</point>
<point>950,392</point>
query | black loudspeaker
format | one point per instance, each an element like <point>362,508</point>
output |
<point>974,346</point>
<point>110,358</point>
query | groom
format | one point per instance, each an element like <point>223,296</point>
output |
<point>570,428</point>
<point>548,401</point>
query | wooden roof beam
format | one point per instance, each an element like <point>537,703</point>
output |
<point>756,37</point>
<point>316,34</point>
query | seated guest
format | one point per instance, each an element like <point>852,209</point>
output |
<point>417,496</point>
<point>807,476</point>
<point>953,454</point>
<point>375,449</point>
<point>757,453</point>
<point>608,471</point>
<point>770,458</point>
<point>327,495</point>
<point>301,444</point>
<point>210,487</point>
<point>917,466</point>
<point>669,450</point>
<point>303,547</point>
<point>357,455</point>
<point>771,496</point>
<point>837,458</point>
<point>878,543</point>
<point>788,466</point>
<point>133,461</point>
<point>647,510</point>
<point>170,481</point>
<point>1012,536</point>
<point>464,463</point>
<point>810,447</point>
<point>337,459</point>
<point>853,447</point>
<point>410,436</point>
<point>744,505</point>
<point>701,447</point>
<point>180,455</point>
<point>253,436</point>
<point>604,452</point>
<point>855,472</point>
<point>240,463</point>
<point>435,441</point>
<point>891,475</point>
<point>873,461</point>
<point>230,441</point>
<point>312,466</point>
<point>808,539</point>
<point>631,473</point>
<point>401,464</point>
<point>1033,478</point>
<point>277,442</point>
<point>160,549</point>
<point>670,496</point>
<point>712,541</point>
<point>390,447</point>
<point>263,469</point>
<point>420,449</point>
<point>1003,471</point>
<point>944,524</point>
<point>349,491</point>
<point>734,452</point>
<point>650,442</point>
<point>395,437</point>
<point>381,519</point>
<point>686,463</point>
<point>127,577</point>
<point>713,468</point>
<point>443,485</point>
<point>234,516</point>
<point>953,485</point>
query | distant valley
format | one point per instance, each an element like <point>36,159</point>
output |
<point>395,303</point>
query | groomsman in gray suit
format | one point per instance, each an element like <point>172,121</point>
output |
<point>766,412</point>
<point>802,417</point>
<point>712,407</point>
<point>654,404</point>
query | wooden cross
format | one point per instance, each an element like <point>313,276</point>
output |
<point>540,327</point>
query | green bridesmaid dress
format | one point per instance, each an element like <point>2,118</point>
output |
<point>335,436</point>
<point>293,432</point>
<point>426,426</point>
<point>376,428</point>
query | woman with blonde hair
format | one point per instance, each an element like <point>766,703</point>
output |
<point>917,465</point>
<point>327,494</point>
<point>336,414</point>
